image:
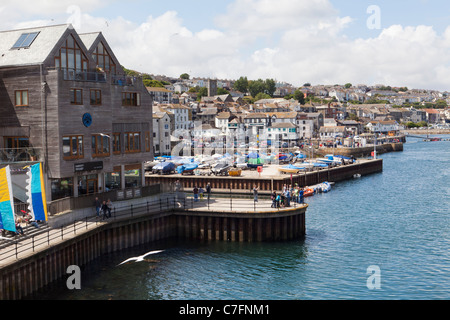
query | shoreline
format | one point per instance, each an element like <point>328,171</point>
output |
<point>426,131</point>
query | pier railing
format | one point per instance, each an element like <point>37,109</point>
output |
<point>15,246</point>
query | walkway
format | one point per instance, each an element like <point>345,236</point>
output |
<point>20,247</point>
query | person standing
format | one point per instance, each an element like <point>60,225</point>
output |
<point>177,189</point>
<point>274,199</point>
<point>255,193</point>
<point>201,191</point>
<point>97,205</point>
<point>300,195</point>
<point>208,190</point>
<point>195,193</point>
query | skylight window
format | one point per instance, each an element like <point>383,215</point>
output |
<point>25,40</point>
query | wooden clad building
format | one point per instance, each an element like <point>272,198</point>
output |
<point>64,98</point>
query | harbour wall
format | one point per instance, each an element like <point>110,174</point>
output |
<point>363,151</point>
<point>27,275</point>
<point>267,184</point>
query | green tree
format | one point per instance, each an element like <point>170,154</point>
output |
<point>256,86</point>
<point>348,85</point>
<point>241,84</point>
<point>222,91</point>
<point>202,92</point>
<point>262,95</point>
<point>299,96</point>
<point>270,87</point>
<point>184,76</point>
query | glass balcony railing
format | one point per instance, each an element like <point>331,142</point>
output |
<point>11,155</point>
<point>78,75</point>
<point>121,80</point>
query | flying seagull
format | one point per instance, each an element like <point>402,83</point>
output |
<point>140,258</point>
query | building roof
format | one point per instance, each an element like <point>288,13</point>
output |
<point>332,129</point>
<point>157,89</point>
<point>283,115</point>
<point>39,50</point>
<point>173,106</point>
<point>223,115</point>
<point>283,125</point>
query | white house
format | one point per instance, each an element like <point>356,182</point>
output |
<point>182,117</point>
<point>160,95</point>
<point>383,126</point>
<point>161,134</point>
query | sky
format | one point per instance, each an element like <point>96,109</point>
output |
<point>396,43</point>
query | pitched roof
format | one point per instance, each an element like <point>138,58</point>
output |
<point>39,50</point>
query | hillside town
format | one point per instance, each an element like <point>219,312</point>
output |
<point>69,103</point>
<point>324,113</point>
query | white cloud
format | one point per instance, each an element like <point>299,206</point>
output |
<point>293,41</point>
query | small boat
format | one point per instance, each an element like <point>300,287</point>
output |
<point>187,168</point>
<point>164,168</point>
<point>357,175</point>
<point>290,169</point>
<point>308,192</point>
<point>234,172</point>
<point>321,187</point>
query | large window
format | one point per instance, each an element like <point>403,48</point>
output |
<point>100,145</point>
<point>16,142</point>
<point>147,141</point>
<point>76,96</point>
<point>116,143</point>
<point>71,56</point>
<point>132,141</point>
<point>131,99</point>
<point>62,188</point>
<point>103,59</point>
<point>21,99</point>
<point>96,97</point>
<point>73,147</point>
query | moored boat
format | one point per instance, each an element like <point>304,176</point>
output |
<point>290,169</point>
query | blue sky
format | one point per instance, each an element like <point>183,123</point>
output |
<point>297,41</point>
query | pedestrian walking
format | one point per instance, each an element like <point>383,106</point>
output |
<point>110,206</point>
<point>104,210</point>
<point>255,193</point>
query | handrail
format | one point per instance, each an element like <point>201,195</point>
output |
<point>174,200</point>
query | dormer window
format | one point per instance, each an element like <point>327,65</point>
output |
<point>25,40</point>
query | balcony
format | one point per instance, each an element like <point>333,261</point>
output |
<point>84,76</point>
<point>14,155</point>
<point>121,80</point>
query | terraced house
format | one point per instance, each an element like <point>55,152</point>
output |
<point>65,101</point>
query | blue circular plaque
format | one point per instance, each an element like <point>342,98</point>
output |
<point>87,119</point>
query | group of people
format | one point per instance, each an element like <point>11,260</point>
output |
<point>288,194</point>
<point>104,208</point>
<point>25,218</point>
<point>199,192</point>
